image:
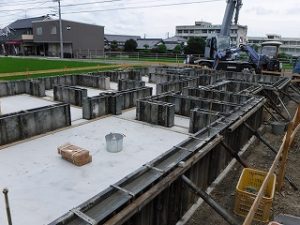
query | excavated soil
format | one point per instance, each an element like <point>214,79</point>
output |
<point>259,157</point>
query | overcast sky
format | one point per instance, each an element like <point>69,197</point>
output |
<point>261,16</point>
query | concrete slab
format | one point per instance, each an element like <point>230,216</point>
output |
<point>43,186</point>
<point>18,103</point>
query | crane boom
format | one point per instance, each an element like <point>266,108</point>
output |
<point>228,16</point>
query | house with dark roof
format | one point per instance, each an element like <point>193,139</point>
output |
<point>80,40</point>
<point>172,42</point>
<point>17,37</point>
<point>148,43</point>
<point>120,39</point>
<point>40,36</point>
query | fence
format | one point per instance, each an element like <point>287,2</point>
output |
<point>280,160</point>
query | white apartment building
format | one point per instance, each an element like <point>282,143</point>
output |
<point>238,33</point>
<point>290,46</point>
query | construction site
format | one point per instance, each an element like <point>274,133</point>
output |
<point>168,123</point>
<point>211,140</point>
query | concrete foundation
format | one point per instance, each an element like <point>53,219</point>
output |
<point>176,85</point>
<point>26,124</point>
<point>100,82</point>
<point>113,103</point>
<point>115,76</point>
<point>69,94</point>
<point>32,87</point>
<point>200,119</point>
<point>156,112</point>
<point>223,96</point>
<point>125,84</point>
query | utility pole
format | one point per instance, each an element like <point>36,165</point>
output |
<point>60,31</point>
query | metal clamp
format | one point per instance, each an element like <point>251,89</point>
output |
<point>83,216</point>
<point>123,190</point>
<point>182,148</point>
<point>154,168</point>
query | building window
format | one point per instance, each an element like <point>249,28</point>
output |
<point>191,31</point>
<point>185,31</point>
<point>39,31</point>
<point>53,30</point>
<point>179,31</point>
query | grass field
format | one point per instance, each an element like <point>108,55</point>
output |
<point>11,65</point>
<point>20,77</point>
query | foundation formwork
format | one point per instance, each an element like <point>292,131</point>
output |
<point>26,124</point>
<point>132,194</point>
<point>154,193</point>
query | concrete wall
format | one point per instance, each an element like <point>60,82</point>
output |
<point>113,103</point>
<point>184,104</point>
<point>216,95</point>
<point>156,112</point>
<point>125,84</point>
<point>26,124</point>
<point>50,82</point>
<point>200,119</point>
<point>69,94</point>
<point>161,78</point>
<point>100,82</point>
<point>115,76</point>
<point>176,85</point>
<point>32,87</point>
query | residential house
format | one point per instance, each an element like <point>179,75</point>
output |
<point>80,40</point>
<point>120,39</point>
<point>148,43</point>
<point>172,42</point>
<point>17,37</point>
<point>41,36</point>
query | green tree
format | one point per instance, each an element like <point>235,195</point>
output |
<point>114,45</point>
<point>195,45</point>
<point>130,45</point>
<point>177,49</point>
<point>161,48</point>
<point>146,46</point>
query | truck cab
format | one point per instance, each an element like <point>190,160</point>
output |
<point>271,50</point>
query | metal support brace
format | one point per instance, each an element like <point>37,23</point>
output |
<point>185,149</point>
<point>154,168</point>
<point>210,201</point>
<point>263,140</point>
<point>283,105</point>
<point>294,89</point>
<point>123,190</point>
<point>274,106</point>
<point>234,154</point>
<point>270,112</point>
<point>289,96</point>
<point>83,216</point>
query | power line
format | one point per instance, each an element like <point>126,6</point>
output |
<point>27,2</point>
<point>141,7</point>
<point>63,6</point>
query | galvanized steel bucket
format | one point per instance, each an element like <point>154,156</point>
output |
<point>114,142</point>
